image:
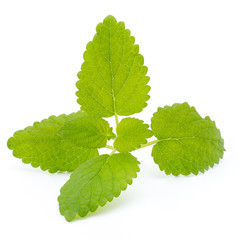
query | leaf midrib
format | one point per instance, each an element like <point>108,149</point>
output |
<point>95,175</point>
<point>180,138</point>
<point>111,73</point>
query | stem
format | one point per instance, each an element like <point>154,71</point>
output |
<point>116,119</point>
<point>110,147</point>
<point>142,146</point>
<point>148,144</point>
<point>113,151</point>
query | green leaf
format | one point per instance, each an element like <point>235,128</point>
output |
<point>95,182</point>
<point>131,133</point>
<point>113,78</point>
<point>88,132</point>
<point>187,143</point>
<point>41,145</point>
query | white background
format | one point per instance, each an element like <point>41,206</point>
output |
<point>192,49</point>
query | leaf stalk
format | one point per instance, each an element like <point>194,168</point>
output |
<point>148,144</point>
<point>110,147</point>
<point>116,119</point>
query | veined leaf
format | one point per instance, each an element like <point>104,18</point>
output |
<point>131,133</point>
<point>89,132</point>
<point>41,145</point>
<point>95,182</point>
<point>187,143</point>
<point>113,78</point>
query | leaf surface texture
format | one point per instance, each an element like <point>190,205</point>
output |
<point>96,182</point>
<point>131,133</point>
<point>41,145</point>
<point>89,132</point>
<point>187,143</point>
<point>112,78</point>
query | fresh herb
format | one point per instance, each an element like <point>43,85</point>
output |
<point>113,82</point>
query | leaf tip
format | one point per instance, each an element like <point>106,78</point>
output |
<point>109,18</point>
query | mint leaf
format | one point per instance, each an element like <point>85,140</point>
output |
<point>131,133</point>
<point>95,182</point>
<point>113,82</point>
<point>187,143</point>
<point>113,78</point>
<point>88,132</point>
<point>41,145</point>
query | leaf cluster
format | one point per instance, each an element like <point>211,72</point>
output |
<point>113,82</point>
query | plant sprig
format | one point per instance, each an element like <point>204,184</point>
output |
<point>113,82</point>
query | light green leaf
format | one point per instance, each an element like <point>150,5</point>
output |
<point>95,182</point>
<point>187,143</point>
<point>42,146</point>
<point>113,78</point>
<point>131,133</point>
<point>88,132</point>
